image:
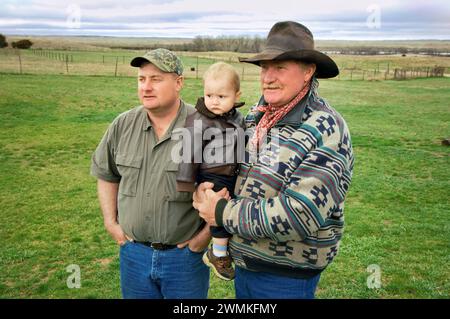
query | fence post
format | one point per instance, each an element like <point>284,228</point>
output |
<point>67,63</point>
<point>20,61</point>
<point>388,68</point>
<point>364,73</point>
<point>196,70</point>
<point>115,72</point>
<point>351,75</point>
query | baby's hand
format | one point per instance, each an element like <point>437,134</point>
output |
<point>224,193</point>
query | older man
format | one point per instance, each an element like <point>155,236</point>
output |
<point>287,218</point>
<point>160,234</point>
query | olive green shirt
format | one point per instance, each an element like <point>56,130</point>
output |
<point>149,207</point>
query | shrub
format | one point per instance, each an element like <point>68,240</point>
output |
<point>3,43</point>
<point>22,44</point>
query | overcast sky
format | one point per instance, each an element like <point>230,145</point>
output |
<point>327,19</point>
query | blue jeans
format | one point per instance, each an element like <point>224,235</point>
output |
<point>263,285</point>
<point>146,273</point>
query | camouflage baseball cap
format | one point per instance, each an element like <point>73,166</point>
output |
<point>163,59</point>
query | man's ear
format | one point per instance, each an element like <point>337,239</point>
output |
<point>179,83</point>
<point>309,71</point>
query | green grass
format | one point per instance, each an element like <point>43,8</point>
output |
<point>103,63</point>
<point>396,212</point>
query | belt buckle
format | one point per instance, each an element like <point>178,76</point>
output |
<point>157,246</point>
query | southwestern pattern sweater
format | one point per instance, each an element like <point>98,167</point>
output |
<point>288,216</point>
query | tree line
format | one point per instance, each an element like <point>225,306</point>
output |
<point>255,44</point>
<point>382,50</point>
<point>21,44</point>
<point>241,44</point>
<point>247,44</point>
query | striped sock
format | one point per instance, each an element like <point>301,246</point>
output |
<point>219,250</point>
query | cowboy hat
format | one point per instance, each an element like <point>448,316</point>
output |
<point>290,40</point>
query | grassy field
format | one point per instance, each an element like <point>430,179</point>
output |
<point>396,212</point>
<point>116,63</point>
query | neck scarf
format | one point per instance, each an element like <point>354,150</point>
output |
<point>272,114</point>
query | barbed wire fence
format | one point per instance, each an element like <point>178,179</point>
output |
<point>38,61</point>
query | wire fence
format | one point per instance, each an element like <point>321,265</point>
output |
<point>116,64</point>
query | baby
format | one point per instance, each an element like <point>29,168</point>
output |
<point>217,110</point>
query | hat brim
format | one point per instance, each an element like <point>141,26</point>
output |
<point>138,61</point>
<point>325,66</point>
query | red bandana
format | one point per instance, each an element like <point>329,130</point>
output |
<point>272,114</point>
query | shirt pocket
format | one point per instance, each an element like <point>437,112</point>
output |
<point>172,195</point>
<point>129,168</point>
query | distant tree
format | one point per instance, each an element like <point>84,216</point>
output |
<point>3,43</point>
<point>22,44</point>
<point>198,44</point>
<point>403,50</point>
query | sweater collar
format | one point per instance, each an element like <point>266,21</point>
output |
<point>202,109</point>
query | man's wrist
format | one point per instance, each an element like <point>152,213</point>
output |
<point>220,207</point>
<point>110,223</point>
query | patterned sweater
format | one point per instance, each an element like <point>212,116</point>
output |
<point>288,216</point>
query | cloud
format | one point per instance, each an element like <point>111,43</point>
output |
<point>188,18</point>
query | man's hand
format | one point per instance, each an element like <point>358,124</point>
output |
<point>107,195</point>
<point>116,233</point>
<point>199,242</point>
<point>205,201</point>
<point>200,191</point>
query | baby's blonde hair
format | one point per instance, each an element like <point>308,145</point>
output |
<point>221,69</point>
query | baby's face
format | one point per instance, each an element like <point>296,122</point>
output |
<point>220,95</point>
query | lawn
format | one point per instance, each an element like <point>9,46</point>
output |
<point>396,211</point>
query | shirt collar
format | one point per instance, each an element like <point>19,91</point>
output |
<point>147,124</point>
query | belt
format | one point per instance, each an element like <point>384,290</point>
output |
<point>157,246</point>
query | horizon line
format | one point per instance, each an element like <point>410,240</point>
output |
<point>209,36</point>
